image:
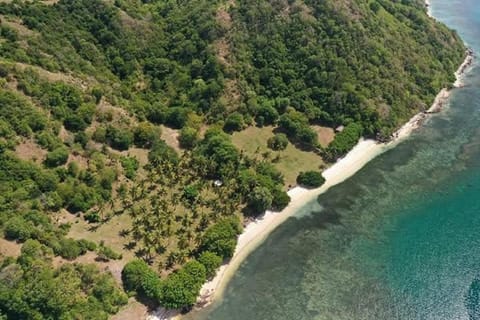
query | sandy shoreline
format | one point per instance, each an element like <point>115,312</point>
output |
<point>361,154</point>
<point>257,231</point>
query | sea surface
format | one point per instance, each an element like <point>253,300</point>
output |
<point>399,240</point>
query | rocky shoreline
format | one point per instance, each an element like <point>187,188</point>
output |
<point>442,98</point>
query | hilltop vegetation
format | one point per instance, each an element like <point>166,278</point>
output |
<point>119,115</point>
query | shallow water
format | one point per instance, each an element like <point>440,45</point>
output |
<point>399,240</point>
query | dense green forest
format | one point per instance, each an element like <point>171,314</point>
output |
<point>118,170</point>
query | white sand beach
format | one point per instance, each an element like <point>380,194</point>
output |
<point>256,232</point>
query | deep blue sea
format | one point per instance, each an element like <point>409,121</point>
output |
<point>399,240</point>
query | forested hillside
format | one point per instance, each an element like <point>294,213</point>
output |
<point>136,136</point>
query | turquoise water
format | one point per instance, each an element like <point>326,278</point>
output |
<point>399,240</point>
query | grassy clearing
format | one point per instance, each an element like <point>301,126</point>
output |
<point>108,232</point>
<point>291,161</point>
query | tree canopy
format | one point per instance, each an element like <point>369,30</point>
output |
<point>36,290</point>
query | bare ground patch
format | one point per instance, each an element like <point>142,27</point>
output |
<point>113,266</point>
<point>30,151</point>
<point>56,76</point>
<point>9,248</point>
<point>223,17</point>
<point>117,113</point>
<point>325,135</point>
<point>65,135</point>
<point>134,310</point>
<point>232,94</point>
<point>16,24</point>
<point>170,136</point>
<point>140,154</point>
<point>222,50</point>
<point>50,2</point>
<point>80,160</point>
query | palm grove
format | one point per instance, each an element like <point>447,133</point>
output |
<point>86,81</point>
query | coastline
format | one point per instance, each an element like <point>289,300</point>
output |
<point>464,68</point>
<point>428,6</point>
<point>258,230</point>
<point>365,150</point>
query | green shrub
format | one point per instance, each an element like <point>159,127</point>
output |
<point>106,292</point>
<point>46,180</point>
<point>53,201</point>
<point>278,142</point>
<point>188,137</point>
<point>74,123</point>
<point>92,217</point>
<point>234,122</point>
<point>259,199</point>
<point>97,93</point>
<point>81,138</point>
<point>145,135</point>
<point>177,117</point>
<point>139,278</point>
<point>118,138</point>
<point>266,115</point>
<point>161,152</point>
<point>100,135</point>
<point>190,193</point>
<point>57,157</point>
<point>310,179</point>
<point>344,141</point>
<point>107,253</point>
<point>281,199</point>
<point>133,273</point>
<point>87,245</point>
<point>78,204</point>
<point>296,125</point>
<point>221,238</point>
<point>180,289</point>
<point>130,166</point>
<point>69,249</point>
<point>19,229</point>
<point>211,262</point>
<point>48,141</point>
<point>31,251</point>
<point>71,291</point>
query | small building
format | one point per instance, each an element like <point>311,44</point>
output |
<point>339,128</point>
